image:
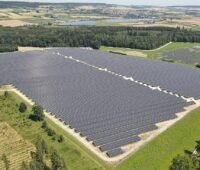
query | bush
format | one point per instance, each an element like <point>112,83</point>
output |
<point>22,107</point>
<point>197,65</point>
<point>44,125</point>
<point>50,132</point>
<point>38,114</point>
<point>61,139</point>
<point>5,94</point>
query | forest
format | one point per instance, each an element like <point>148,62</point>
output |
<point>127,37</point>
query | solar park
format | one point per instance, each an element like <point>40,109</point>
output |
<point>108,99</point>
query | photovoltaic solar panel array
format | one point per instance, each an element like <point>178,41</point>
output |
<point>176,78</point>
<point>106,109</point>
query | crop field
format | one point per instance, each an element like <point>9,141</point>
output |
<point>14,147</point>
<point>107,98</point>
<point>184,55</point>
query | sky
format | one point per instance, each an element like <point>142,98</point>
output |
<point>128,2</point>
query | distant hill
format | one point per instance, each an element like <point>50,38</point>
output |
<point>187,6</point>
<point>16,4</point>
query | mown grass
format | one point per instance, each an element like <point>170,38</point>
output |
<point>75,155</point>
<point>157,154</point>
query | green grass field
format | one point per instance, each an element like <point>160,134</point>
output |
<point>150,53</point>
<point>75,155</point>
<point>157,154</point>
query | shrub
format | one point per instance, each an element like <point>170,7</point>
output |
<point>50,132</point>
<point>5,94</point>
<point>38,114</point>
<point>61,139</point>
<point>22,107</point>
<point>44,125</point>
<point>197,65</point>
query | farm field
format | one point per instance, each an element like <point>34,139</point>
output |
<point>13,23</point>
<point>64,14</point>
<point>159,153</point>
<point>153,54</point>
<point>74,154</point>
<point>13,146</point>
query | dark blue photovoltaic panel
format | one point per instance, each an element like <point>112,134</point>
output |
<point>108,110</point>
<point>173,77</point>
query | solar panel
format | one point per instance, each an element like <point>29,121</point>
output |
<point>107,109</point>
<point>114,152</point>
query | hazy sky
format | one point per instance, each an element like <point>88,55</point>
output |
<point>130,2</point>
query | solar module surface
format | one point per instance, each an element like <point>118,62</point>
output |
<point>172,77</point>
<point>185,55</point>
<point>108,110</point>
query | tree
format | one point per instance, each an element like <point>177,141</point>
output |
<point>180,163</point>
<point>38,113</point>
<point>6,161</point>
<point>42,148</point>
<point>57,162</point>
<point>22,107</point>
<point>95,44</point>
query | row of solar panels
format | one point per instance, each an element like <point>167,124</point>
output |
<point>107,110</point>
<point>176,78</point>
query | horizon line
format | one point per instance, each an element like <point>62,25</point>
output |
<point>54,2</point>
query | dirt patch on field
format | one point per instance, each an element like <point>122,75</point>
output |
<point>131,53</point>
<point>13,23</point>
<point>136,53</point>
<point>141,24</point>
<point>86,7</point>
<point>26,49</point>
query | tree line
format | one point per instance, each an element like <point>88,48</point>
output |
<point>92,36</point>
